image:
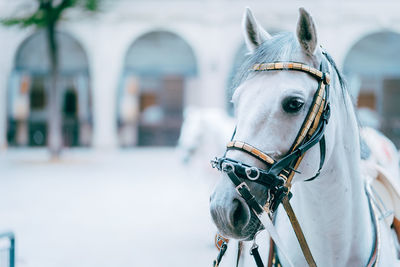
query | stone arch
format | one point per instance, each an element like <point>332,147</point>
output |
<point>372,66</point>
<point>29,86</point>
<point>150,98</point>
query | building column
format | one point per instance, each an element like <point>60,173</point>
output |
<point>14,37</point>
<point>3,109</point>
<point>105,64</point>
<point>214,63</point>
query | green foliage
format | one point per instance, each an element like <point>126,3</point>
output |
<point>36,19</point>
<point>50,12</point>
<point>92,5</point>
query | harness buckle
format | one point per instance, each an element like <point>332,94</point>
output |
<point>227,167</point>
<point>253,247</point>
<point>220,241</point>
<point>241,186</point>
<point>326,78</point>
<point>327,113</point>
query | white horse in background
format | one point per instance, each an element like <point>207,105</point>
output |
<point>204,134</point>
<point>333,210</point>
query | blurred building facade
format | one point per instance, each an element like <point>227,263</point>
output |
<point>128,72</point>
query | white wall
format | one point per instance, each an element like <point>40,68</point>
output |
<point>211,27</point>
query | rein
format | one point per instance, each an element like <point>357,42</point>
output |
<point>278,175</point>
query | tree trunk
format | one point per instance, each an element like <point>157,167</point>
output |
<point>54,116</point>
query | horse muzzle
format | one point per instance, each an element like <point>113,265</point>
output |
<point>232,215</point>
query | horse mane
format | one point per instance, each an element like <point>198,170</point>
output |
<point>342,80</point>
<point>365,151</point>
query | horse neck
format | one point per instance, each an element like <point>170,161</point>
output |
<point>333,209</point>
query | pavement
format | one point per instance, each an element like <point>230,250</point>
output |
<point>136,207</point>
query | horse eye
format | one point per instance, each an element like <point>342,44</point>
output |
<point>292,104</point>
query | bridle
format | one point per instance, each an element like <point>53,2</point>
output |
<point>278,175</point>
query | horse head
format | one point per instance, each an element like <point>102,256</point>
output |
<point>270,107</point>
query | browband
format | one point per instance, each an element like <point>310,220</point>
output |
<point>319,75</point>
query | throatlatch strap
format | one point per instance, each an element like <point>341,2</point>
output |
<point>322,149</point>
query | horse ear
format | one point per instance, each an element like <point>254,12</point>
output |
<point>306,32</point>
<point>254,35</point>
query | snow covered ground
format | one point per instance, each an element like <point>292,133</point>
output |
<point>136,207</point>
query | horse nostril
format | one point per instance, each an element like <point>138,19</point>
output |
<point>212,197</point>
<point>239,215</point>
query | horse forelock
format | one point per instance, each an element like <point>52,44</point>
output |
<point>281,47</point>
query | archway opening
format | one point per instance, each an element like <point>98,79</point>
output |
<point>151,96</point>
<point>373,69</point>
<point>28,106</point>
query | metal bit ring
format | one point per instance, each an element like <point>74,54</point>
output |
<point>250,170</point>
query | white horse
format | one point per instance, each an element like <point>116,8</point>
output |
<point>333,209</point>
<point>204,134</point>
